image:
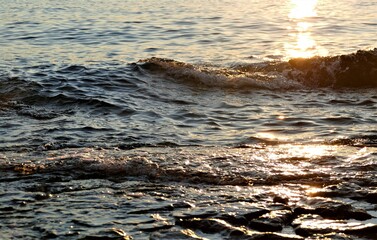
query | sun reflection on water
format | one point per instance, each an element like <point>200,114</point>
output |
<point>309,151</point>
<point>302,18</point>
<point>303,8</point>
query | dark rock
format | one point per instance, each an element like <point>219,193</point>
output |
<point>50,235</point>
<point>257,212</point>
<point>278,199</point>
<point>371,197</point>
<point>272,221</point>
<point>265,226</point>
<point>42,196</point>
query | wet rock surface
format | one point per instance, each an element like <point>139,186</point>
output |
<point>255,216</point>
<point>61,204</point>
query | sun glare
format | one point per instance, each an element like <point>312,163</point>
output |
<point>303,9</point>
<point>304,47</point>
<point>302,21</point>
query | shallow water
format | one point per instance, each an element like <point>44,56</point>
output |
<point>188,120</point>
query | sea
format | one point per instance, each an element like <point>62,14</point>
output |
<point>161,119</point>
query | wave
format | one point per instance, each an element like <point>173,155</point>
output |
<point>95,87</point>
<point>214,77</point>
<point>47,92</point>
<point>81,162</point>
<point>13,89</point>
<point>150,102</point>
<point>356,141</point>
<point>355,70</point>
<point>199,165</point>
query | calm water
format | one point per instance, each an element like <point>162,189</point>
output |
<point>188,119</point>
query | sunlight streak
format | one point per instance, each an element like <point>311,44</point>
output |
<point>302,16</point>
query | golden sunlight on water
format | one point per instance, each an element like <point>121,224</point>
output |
<point>303,16</point>
<point>303,9</point>
<point>308,151</point>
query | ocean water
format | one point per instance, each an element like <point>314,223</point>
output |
<point>188,119</point>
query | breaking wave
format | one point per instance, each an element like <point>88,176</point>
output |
<point>117,104</point>
<point>69,85</point>
<point>356,70</point>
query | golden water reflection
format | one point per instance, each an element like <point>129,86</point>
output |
<point>302,18</point>
<point>303,9</point>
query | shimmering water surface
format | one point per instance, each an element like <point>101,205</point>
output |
<point>188,119</point>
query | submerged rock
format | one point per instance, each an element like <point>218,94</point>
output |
<point>371,197</point>
<point>272,221</point>
<point>42,196</point>
<point>282,200</point>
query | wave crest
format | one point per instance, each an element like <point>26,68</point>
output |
<point>214,77</point>
<point>355,70</point>
<point>352,70</point>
